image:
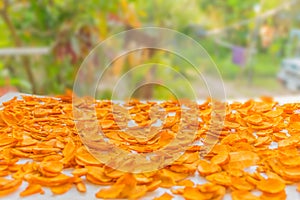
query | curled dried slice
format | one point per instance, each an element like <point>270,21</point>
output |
<point>113,192</point>
<point>262,126</point>
<point>125,187</point>
<point>138,191</point>
<point>262,140</point>
<point>254,119</point>
<point>81,187</point>
<point>51,181</point>
<point>184,168</point>
<point>271,185</point>
<point>32,189</point>
<point>243,159</point>
<point>278,196</point>
<point>164,196</point>
<point>290,161</point>
<point>40,113</point>
<point>178,191</point>
<point>8,118</point>
<point>221,178</point>
<point>243,194</point>
<point>114,173</point>
<point>192,193</point>
<point>93,180</point>
<point>154,185</point>
<point>220,159</point>
<point>288,142</point>
<point>61,189</point>
<point>69,151</point>
<point>274,113</point>
<point>187,183</point>
<point>279,136</point>
<point>220,148</point>
<point>212,188</point>
<point>83,157</point>
<point>80,171</point>
<point>241,184</point>
<point>105,124</point>
<point>205,168</point>
<point>292,173</point>
<point>10,186</point>
<point>7,141</point>
<point>52,166</point>
<point>98,174</point>
<point>174,175</point>
<point>231,125</point>
<point>166,181</point>
<point>46,173</point>
<point>142,179</point>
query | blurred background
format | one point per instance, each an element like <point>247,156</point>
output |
<point>255,44</point>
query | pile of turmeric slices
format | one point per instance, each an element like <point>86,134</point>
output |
<point>263,135</point>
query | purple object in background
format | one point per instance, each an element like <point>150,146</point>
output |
<point>239,55</point>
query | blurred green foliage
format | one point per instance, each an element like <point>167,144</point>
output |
<point>72,28</point>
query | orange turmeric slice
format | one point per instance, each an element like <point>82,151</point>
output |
<point>192,193</point>
<point>32,189</point>
<point>205,168</point>
<point>61,189</point>
<point>271,185</point>
<point>10,186</point>
<point>164,196</point>
<point>81,187</point>
<point>220,159</point>
<point>243,194</point>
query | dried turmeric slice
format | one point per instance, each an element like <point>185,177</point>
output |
<point>274,113</point>
<point>243,158</point>
<point>278,196</point>
<point>221,178</point>
<point>166,181</point>
<point>51,181</point>
<point>10,186</point>
<point>81,187</point>
<point>192,193</point>
<point>164,196</point>
<point>69,151</point>
<point>241,184</point>
<point>187,183</point>
<point>138,191</point>
<point>220,159</point>
<point>98,174</point>
<point>7,141</point>
<point>292,173</point>
<point>52,166</point>
<point>105,124</point>
<point>61,189</point>
<point>83,157</point>
<point>211,188</point>
<point>154,185</point>
<point>205,168</point>
<point>255,119</point>
<point>243,194</point>
<point>178,191</point>
<point>32,189</point>
<point>290,161</point>
<point>111,193</point>
<point>80,171</point>
<point>271,185</point>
